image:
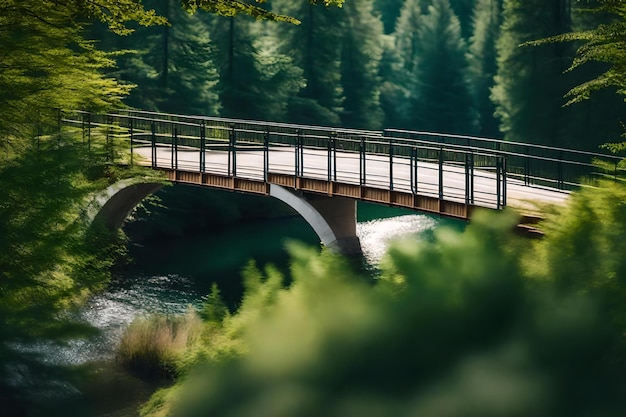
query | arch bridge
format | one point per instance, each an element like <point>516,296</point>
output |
<point>322,171</point>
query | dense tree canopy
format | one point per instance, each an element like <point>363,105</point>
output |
<point>602,43</point>
<point>438,62</point>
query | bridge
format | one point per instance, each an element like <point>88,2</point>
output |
<point>322,171</point>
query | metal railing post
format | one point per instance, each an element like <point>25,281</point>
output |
<point>175,148</point>
<point>440,154</point>
<point>413,169</point>
<point>526,167</point>
<point>334,142</point>
<point>468,190</point>
<point>498,180</point>
<point>362,178</point>
<point>266,154</point>
<point>390,164</point>
<point>203,147</point>
<point>471,177</point>
<point>504,187</point>
<point>297,153</point>
<point>329,162</point>
<point>131,140</point>
<point>231,135</point>
<point>301,151</point>
<point>153,143</point>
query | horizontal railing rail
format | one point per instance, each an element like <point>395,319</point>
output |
<point>473,170</point>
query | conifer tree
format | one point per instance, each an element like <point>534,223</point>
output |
<point>239,81</point>
<point>46,65</point>
<point>360,63</point>
<point>439,99</point>
<point>464,10</point>
<point>529,85</point>
<point>256,80</point>
<point>315,46</point>
<point>598,118</point>
<point>398,63</point>
<point>174,69</point>
<point>482,58</point>
<point>281,79</point>
<point>389,11</point>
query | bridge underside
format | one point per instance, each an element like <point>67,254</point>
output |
<point>119,200</point>
<point>329,207</point>
<point>324,188</point>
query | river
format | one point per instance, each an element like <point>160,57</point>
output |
<point>167,276</point>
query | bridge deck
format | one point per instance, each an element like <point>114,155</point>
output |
<point>446,174</point>
<point>250,165</point>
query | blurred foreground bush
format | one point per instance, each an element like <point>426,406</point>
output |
<point>451,328</point>
<point>151,345</point>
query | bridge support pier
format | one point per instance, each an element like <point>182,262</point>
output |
<point>332,218</point>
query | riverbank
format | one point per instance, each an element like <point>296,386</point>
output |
<point>168,275</point>
<point>101,389</point>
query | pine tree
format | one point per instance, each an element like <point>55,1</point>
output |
<point>599,118</point>
<point>406,36</point>
<point>440,100</point>
<point>239,84</point>
<point>315,46</point>
<point>399,60</point>
<point>360,63</point>
<point>482,58</point>
<point>281,79</point>
<point>174,69</point>
<point>389,11</point>
<point>47,65</point>
<point>464,10</point>
<point>529,85</point>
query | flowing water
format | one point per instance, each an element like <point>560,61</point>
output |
<point>169,276</point>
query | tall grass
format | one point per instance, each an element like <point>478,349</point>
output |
<point>151,345</point>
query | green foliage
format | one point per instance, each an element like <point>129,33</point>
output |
<point>389,11</point>
<point>360,64</point>
<point>451,328</point>
<point>173,67</point>
<point>604,44</point>
<point>428,89</point>
<point>256,80</point>
<point>529,84</point>
<point>47,65</point>
<point>482,63</point>
<point>50,260</point>
<point>584,246</point>
<point>213,309</point>
<point>439,97</point>
<point>398,62</point>
<point>233,7</point>
<point>315,47</point>
<point>150,346</point>
<point>598,113</point>
<point>464,10</point>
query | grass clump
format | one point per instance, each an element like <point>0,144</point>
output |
<point>151,345</point>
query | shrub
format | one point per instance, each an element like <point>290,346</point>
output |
<point>151,345</point>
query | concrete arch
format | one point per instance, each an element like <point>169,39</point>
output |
<point>113,205</point>
<point>332,218</point>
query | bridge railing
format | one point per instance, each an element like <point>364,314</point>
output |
<point>540,165</point>
<point>447,167</point>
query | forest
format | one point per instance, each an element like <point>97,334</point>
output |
<point>474,323</point>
